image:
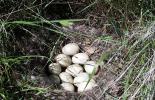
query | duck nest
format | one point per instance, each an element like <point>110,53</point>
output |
<point>89,41</point>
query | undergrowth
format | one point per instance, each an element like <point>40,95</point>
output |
<point>26,22</point>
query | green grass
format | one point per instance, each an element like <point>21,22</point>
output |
<point>122,15</point>
<point>9,63</point>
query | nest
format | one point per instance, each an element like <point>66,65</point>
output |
<point>107,88</point>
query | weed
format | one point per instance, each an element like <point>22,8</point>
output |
<point>38,32</point>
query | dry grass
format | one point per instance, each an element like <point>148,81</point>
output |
<point>120,34</point>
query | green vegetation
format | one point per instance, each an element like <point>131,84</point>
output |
<point>31,33</point>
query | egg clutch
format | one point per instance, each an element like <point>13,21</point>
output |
<point>78,69</point>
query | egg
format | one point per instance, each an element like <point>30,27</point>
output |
<point>68,87</point>
<point>80,58</point>
<point>74,69</point>
<point>91,67</point>
<point>63,60</point>
<point>85,86</point>
<point>54,68</point>
<point>71,49</point>
<point>81,77</point>
<point>66,77</point>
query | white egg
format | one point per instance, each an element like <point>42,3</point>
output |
<point>81,77</point>
<point>54,68</point>
<point>91,67</point>
<point>68,87</point>
<point>65,77</point>
<point>70,49</point>
<point>80,58</point>
<point>63,60</point>
<point>74,69</point>
<point>85,86</point>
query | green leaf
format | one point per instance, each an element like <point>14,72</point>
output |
<point>66,23</point>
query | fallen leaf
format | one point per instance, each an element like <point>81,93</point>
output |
<point>90,50</point>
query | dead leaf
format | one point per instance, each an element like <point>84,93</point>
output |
<point>90,50</point>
